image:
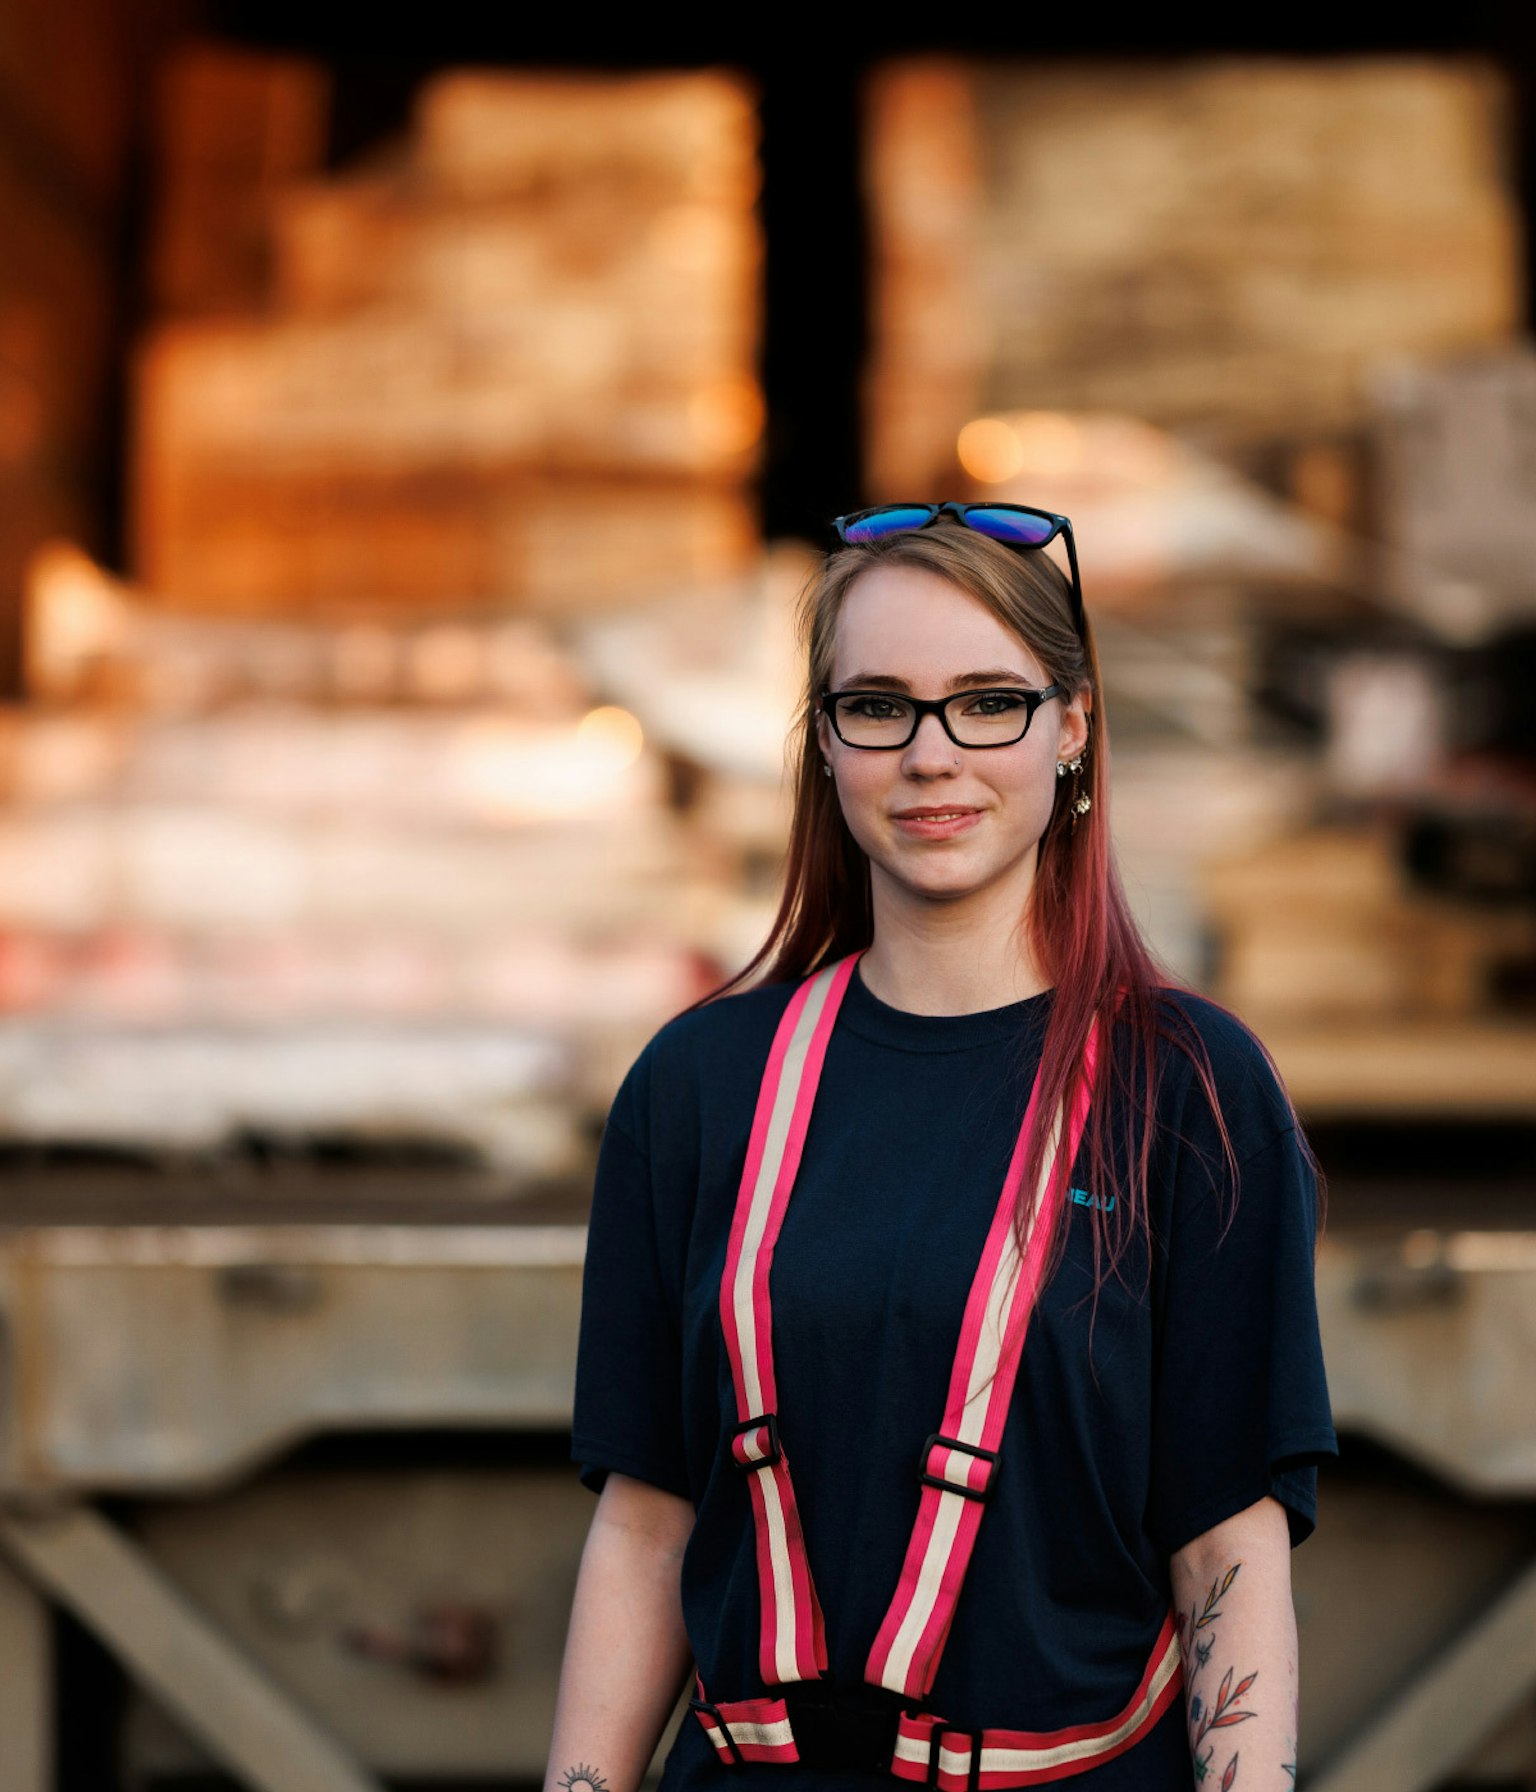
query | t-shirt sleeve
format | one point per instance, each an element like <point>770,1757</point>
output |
<point>628,1406</point>
<point>1240,1397</point>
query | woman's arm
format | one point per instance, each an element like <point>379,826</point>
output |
<point>626,1655</point>
<point>1237,1629</point>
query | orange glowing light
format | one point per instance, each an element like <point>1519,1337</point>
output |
<point>614,732</point>
<point>989,450</point>
<point>1048,442</point>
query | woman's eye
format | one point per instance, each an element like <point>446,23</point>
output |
<point>877,709</point>
<point>993,703</point>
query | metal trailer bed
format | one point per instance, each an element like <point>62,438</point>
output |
<point>312,1629</point>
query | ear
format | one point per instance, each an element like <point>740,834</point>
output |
<point>823,732</point>
<point>1074,726</point>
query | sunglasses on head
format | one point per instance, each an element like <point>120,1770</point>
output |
<point>1019,525</point>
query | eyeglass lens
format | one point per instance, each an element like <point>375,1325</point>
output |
<point>976,718</point>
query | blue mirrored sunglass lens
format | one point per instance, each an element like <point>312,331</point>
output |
<point>887,522</point>
<point>1012,525</point>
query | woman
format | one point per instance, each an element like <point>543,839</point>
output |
<point>1039,1342</point>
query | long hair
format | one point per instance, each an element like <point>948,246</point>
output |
<point>1079,923</point>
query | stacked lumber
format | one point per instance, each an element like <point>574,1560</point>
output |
<point>436,881</point>
<point>511,362</point>
<point>233,128</point>
<point>1322,927</point>
<point>1226,244</point>
<point>1454,446</point>
<point>929,328</point>
<point>67,101</point>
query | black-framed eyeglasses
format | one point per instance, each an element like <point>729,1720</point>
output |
<point>1019,525</point>
<point>883,721</point>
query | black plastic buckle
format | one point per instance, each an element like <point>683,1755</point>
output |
<point>983,1494</point>
<point>775,1448</point>
<point>936,1738</point>
<point>738,1759</point>
<point>846,1729</point>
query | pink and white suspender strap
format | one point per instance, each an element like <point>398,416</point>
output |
<point>958,1468</point>
<point>959,1462</point>
<point>792,1642</point>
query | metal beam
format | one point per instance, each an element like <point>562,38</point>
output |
<point>249,1724</point>
<point>26,1686</point>
<point>1445,1711</point>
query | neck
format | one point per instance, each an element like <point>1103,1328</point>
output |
<point>961,957</point>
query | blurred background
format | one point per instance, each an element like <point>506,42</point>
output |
<point>414,437</point>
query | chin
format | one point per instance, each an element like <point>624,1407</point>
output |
<point>937,882</point>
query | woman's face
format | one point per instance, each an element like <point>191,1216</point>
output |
<point>941,822</point>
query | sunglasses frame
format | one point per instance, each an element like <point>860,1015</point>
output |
<point>1061,526</point>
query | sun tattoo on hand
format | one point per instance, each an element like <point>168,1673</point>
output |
<point>583,1779</point>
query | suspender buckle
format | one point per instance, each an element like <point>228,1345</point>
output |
<point>712,1712</point>
<point>943,1735</point>
<point>755,1442</point>
<point>843,1729</point>
<point>956,1477</point>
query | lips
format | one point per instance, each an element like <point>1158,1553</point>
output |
<point>934,823</point>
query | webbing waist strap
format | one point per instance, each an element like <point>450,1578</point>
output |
<point>960,1461</point>
<point>924,1750</point>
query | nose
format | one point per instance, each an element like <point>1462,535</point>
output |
<point>930,753</point>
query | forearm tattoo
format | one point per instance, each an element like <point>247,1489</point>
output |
<point>1197,1639</point>
<point>583,1779</point>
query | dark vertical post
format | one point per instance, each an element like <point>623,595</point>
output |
<point>1517,54</point>
<point>816,280</point>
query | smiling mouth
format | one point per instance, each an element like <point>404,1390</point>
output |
<point>935,814</point>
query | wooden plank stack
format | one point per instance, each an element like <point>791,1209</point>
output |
<point>233,129</point>
<point>1226,244</point>
<point>510,362</point>
<point>1322,927</point>
<point>67,87</point>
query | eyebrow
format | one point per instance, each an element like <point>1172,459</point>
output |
<point>963,681</point>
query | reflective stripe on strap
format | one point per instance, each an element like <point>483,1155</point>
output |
<point>1029,1757</point>
<point>762,1730</point>
<point>906,1651</point>
<point>792,1641</point>
<point>1032,1757</point>
<point>759,1729</point>
<point>746,1729</point>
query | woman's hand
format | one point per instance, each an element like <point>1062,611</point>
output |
<point>626,1654</point>
<point>1237,1629</point>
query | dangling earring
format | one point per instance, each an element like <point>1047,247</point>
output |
<point>1081,802</point>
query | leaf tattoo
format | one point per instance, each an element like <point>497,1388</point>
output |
<point>1190,1627</point>
<point>1223,1713</point>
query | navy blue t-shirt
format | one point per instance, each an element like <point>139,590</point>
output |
<point>1187,1394</point>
